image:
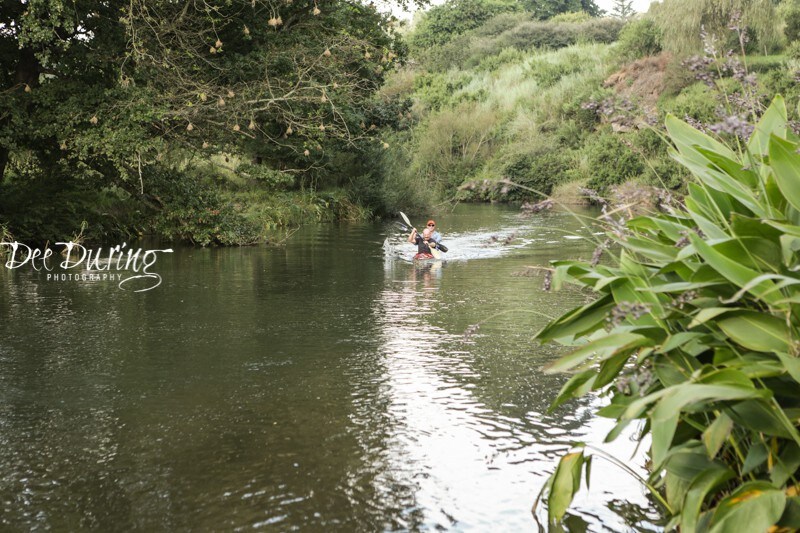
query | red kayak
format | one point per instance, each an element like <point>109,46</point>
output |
<point>422,257</point>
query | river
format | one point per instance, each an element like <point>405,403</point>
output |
<point>323,385</point>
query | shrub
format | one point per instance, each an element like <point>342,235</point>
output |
<point>548,74</point>
<point>793,50</point>
<point>196,212</point>
<point>572,17</point>
<point>666,173</point>
<point>437,90</point>
<point>444,22</point>
<point>494,62</point>
<point>694,334</point>
<point>611,162</point>
<point>537,174</point>
<point>697,102</point>
<point>639,38</point>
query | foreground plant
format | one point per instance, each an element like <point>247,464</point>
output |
<point>693,335</point>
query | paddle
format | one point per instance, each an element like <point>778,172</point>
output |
<point>433,247</point>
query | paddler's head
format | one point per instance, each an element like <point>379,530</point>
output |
<point>426,234</point>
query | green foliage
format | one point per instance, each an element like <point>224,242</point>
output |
<point>680,21</point>
<point>519,33</point>
<point>548,73</point>
<point>442,23</point>
<point>611,162</point>
<point>559,35</point>
<point>192,209</point>
<point>494,62</point>
<point>454,145</point>
<point>572,17</point>
<point>694,333</point>
<point>537,173</point>
<point>790,12</point>
<point>697,102</point>
<point>793,50</point>
<point>41,208</point>
<point>639,38</point>
<point>548,9</point>
<point>100,94</point>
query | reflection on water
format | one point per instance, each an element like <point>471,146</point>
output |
<point>316,386</point>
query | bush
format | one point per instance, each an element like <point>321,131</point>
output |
<point>793,51</point>
<point>666,173</point>
<point>548,74</point>
<point>437,90</point>
<point>535,173</point>
<point>572,17</point>
<point>442,23</point>
<point>194,211</point>
<point>505,57</point>
<point>639,38</point>
<point>698,102</point>
<point>693,337</point>
<point>611,162</point>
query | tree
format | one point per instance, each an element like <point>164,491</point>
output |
<point>545,9</point>
<point>100,94</point>
<point>442,23</point>
<point>623,9</point>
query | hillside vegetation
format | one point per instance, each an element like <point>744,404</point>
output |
<point>577,102</point>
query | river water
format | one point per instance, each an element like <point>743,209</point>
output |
<point>325,385</point>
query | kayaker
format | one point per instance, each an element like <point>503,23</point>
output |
<point>435,236</point>
<point>423,243</point>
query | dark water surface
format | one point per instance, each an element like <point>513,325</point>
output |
<point>318,387</point>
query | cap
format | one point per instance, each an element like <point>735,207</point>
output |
<point>431,222</point>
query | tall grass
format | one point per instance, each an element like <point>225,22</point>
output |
<point>473,122</point>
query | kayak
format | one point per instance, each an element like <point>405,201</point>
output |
<point>423,257</point>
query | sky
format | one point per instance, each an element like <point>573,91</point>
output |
<point>639,5</point>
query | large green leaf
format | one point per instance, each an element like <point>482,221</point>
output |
<point>699,489</point>
<point>707,314</point>
<point>565,483</point>
<point>761,417</point>
<point>686,139</point>
<point>786,465</point>
<point>715,435</point>
<point>785,162</point>
<point>670,403</point>
<point>576,386</point>
<point>792,365</point>
<point>732,269</point>
<point>757,331</point>
<point>773,122</point>
<point>752,508</point>
<point>600,350</point>
<point>578,321</point>
<point>756,456</point>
